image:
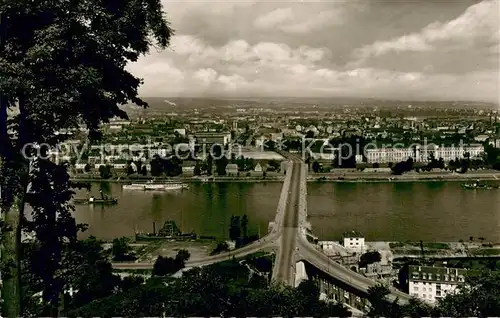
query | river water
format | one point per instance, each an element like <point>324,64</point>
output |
<point>429,211</point>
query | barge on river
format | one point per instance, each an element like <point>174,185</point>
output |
<point>169,231</point>
<point>151,186</point>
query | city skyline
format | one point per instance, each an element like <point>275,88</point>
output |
<point>413,50</point>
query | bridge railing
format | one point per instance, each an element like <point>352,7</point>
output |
<point>283,196</point>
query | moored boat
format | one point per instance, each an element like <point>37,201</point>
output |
<point>93,200</point>
<point>150,186</point>
<point>477,185</point>
<point>169,231</point>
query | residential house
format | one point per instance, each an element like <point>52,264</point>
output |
<point>433,283</point>
<point>258,167</point>
<point>188,167</point>
<point>119,164</point>
<point>232,169</point>
<point>481,138</point>
<point>354,242</point>
<point>180,131</point>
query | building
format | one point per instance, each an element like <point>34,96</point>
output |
<point>258,167</point>
<point>232,169</point>
<point>354,242</point>
<point>432,283</point>
<point>188,167</point>
<point>421,153</point>
<point>180,131</point>
<point>221,139</point>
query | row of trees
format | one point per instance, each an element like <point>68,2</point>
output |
<point>169,265</point>
<point>238,231</point>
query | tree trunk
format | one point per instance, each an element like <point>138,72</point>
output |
<point>11,289</point>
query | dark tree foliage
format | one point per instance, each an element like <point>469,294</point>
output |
<point>62,63</point>
<point>316,166</point>
<point>167,265</point>
<point>220,248</point>
<point>235,228</point>
<point>222,290</point>
<point>369,258</point>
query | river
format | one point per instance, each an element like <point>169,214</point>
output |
<point>429,211</point>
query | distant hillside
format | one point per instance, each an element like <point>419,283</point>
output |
<point>171,103</point>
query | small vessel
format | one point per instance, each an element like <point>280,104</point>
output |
<point>150,186</point>
<point>92,200</point>
<point>477,185</point>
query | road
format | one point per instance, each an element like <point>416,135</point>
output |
<point>285,264</point>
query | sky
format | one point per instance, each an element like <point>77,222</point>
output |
<point>394,49</point>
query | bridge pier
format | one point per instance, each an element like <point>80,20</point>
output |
<point>300,273</point>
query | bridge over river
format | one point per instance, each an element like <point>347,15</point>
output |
<point>289,236</point>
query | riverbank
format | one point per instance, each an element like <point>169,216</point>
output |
<point>181,180</point>
<point>436,249</point>
<point>323,177</point>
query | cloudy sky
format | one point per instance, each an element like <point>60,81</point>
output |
<point>414,49</point>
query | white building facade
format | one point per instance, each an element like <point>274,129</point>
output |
<point>423,153</point>
<point>354,242</point>
<point>433,283</point>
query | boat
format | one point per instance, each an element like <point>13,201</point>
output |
<point>133,187</point>
<point>92,200</point>
<point>150,186</point>
<point>168,231</point>
<point>477,185</point>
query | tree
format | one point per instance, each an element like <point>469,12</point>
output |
<point>87,168</point>
<point>197,169</point>
<point>120,249</point>
<point>478,296</point>
<point>235,229</point>
<point>376,165</point>
<point>156,166</point>
<point>144,170</point>
<point>130,170</point>
<point>310,134</point>
<point>369,258</point>
<point>220,248</point>
<point>62,63</point>
<point>105,172</point>
<point>167,265</point>
<point>244,225</point>
<point>315,166</point>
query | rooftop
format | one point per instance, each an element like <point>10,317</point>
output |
<point>436,274</point>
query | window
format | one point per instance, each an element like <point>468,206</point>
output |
<point>424,296</point>
<point>430,276</point>
<point>460,278</point>
<point>415,288</point>
<point>424,289</point>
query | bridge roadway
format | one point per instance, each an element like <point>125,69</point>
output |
<point>288,238</point>
<point>284,269</point>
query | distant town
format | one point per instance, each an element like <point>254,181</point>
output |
<point>179,141</point>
